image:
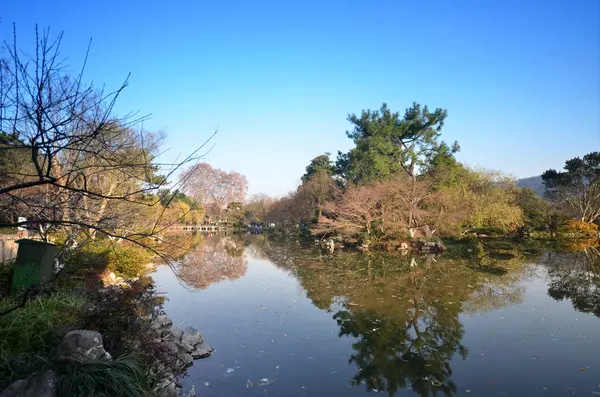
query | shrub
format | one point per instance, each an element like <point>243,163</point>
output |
<point>28,335</point>
<point>581,228</point>
<point>101,255</point>
<point>581,244</point>
<point>127,261</point>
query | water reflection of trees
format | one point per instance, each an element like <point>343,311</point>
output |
<point>392,353</point>
<point>402,312</point>
<point>212,259</point>
<point>576,276</point>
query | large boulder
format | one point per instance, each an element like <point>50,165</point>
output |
<point>41,385</point>
<point>82,345</point>
<point>162,325</point>
<point>203,350</point>
<point>191,338</point>
<point>174,334</point>
<point>169,388</point>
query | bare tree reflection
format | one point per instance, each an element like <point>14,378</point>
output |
<point>212,260</point>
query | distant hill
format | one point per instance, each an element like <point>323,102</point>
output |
<point>535,183</point>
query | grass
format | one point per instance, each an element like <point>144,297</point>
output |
<point>29,335</point>
<point>122,377</point>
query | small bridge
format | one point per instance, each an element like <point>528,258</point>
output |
<point>205,228</point>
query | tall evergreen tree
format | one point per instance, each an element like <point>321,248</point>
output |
<point>387,144</point>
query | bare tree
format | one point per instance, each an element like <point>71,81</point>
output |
<point>214,188</point>
<point>353,212</point>
<point>394,208</point>
<point>74,164</point>
<point>405,206</point>
<point>258,206</point>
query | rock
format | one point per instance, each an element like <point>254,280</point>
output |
<point>164,332</point>
<point>192,392</point>
<point>172,347</point>
<point>185,360</point>
<point>330,245</point>
<point>191,338</point>
<point>163,321</point>
<point>432,246</point>
<point>169,388</point>
<point>82,345</point>
<point>203,350</point>
<point>41,385</point>
<point>15,389</point>
<point>174,334</point>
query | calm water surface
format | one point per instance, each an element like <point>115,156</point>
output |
<point>287,321</point>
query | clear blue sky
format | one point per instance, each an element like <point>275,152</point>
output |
<point>520,79</point>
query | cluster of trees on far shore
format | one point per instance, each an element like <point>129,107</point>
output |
<point>402,181</point>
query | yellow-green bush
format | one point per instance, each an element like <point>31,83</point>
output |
<point>581,228</point>
<point>128,261</point>
<point>103,255</point>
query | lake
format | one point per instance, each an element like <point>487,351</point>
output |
<point>287,320</point>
